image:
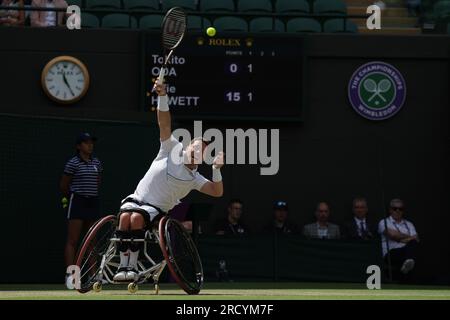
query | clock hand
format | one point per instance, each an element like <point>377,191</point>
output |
<point>67,83</point>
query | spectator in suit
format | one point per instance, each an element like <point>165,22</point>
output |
<point>322,229</point>
<point>232,223</point>
<point>359,227</point>
<point>280,223</point>
<point>48,18</point>
<point>12,17</point>
<point>399,240</point>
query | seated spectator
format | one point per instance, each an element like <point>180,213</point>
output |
<point>48,18</point>
<point>359,228</point>
<point>399,240</point>
<point>322,229</point>
<point>280,224</point>
<point>232,224</point>
<point>12,17</point>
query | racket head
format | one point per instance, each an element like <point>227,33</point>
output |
<point>370,85</point>
<point>384,85</point>
<point>173,28</point>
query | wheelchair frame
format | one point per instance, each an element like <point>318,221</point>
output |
<point>147,267</point>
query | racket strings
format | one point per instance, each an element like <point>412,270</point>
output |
<point>174,27</point>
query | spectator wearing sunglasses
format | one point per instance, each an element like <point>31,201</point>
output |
<point>280,223</point>
<point>399,240</point>
<point>359,228</point>
<point>322,228</point>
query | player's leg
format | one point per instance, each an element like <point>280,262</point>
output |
<point>122,232</point>
<point>137,231</point>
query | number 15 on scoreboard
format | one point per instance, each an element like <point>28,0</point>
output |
<point>236,96</point>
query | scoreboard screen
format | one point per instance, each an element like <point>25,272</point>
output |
<point>251,77</point>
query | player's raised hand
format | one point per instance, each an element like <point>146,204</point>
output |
<point>160,88</point>
<point>218,161</point>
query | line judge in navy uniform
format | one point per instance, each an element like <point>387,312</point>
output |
<point>79,184</point>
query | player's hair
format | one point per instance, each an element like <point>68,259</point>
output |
<point>207,142</point>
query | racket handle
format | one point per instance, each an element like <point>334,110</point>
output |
<point>161,76</point>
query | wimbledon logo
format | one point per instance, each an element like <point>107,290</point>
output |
<point>377,90</point>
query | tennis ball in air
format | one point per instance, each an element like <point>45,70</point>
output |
<point>211,31</point>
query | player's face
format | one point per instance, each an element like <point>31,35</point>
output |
<point>280,215</point>
<point>86,147</point>
<point>360,209</point>
<point>195,151</point>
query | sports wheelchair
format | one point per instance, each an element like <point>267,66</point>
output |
<point>166,243</point>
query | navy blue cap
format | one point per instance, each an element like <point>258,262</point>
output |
<point>280,205</point>
<point>85,136</point>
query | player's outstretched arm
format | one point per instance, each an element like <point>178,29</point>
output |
<point>163,112</point>
<point>215,187</point>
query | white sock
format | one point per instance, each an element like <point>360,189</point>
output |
<point>124,258</point>
<point>133,259</point>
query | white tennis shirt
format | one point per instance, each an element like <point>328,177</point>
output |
<point>168,180</point>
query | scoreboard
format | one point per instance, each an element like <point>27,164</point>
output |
<point>239,77</point>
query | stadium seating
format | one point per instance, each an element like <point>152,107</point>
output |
<point>141,4</point>
<point>329,7</point>
<point>230,24</point>
<point>217,6</point>
<point>265,24</point>
<point>303,25</point>
<point>75,2</point>
<point>103,4</point>
<point>184,4</point>
<point>254,6</point>
<point>194,23</point>
<point>119,20</point>
<point>441,9</point>
<point>289,6</point>
<point>337,25</point>
<point>151,21</point>
<point>89,20</point>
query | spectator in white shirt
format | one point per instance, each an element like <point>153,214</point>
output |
<point>399,239</point>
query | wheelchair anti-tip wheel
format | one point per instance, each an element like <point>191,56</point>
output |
<point>181,255</point>
<point>132,287</point>
<point>95,244</point>
<point>97,287</point>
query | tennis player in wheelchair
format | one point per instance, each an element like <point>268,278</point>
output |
<point>171,176</point>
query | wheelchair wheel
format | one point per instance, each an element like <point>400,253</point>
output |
<point>94,246</point>
<point>181,255</point>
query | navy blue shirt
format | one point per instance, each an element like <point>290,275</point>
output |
<point>85,175</point>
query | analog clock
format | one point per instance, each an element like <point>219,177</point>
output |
<point>65,79</point>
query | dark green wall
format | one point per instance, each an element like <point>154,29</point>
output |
<point>333,154</point>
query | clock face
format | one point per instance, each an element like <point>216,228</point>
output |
<point>65,79</point>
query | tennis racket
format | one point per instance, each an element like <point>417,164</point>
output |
<point>173,30</point>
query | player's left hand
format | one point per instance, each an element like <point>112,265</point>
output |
<point>159,88</point>
<point>218,161</point>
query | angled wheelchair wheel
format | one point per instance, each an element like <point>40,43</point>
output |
<point>181,255</point>
<point>95,244</point>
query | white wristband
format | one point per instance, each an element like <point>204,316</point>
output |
<point>216,175</point>
<point>163,103</point>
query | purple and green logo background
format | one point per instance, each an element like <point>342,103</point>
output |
<point>377,90</point>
